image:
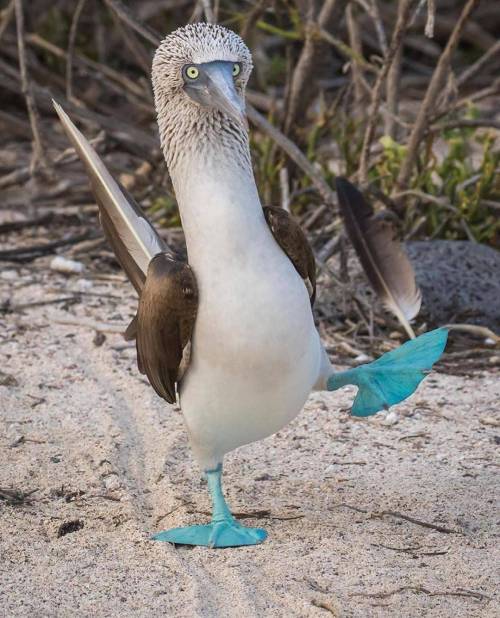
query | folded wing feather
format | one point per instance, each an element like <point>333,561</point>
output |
<point>132,237</point>
<point>291,238</point>
<point>167,287</point>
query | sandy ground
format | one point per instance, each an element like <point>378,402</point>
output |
<point>109,463</point>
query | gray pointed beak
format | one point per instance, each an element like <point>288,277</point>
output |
<point>215,88</point>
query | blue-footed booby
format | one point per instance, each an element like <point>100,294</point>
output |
<point>230,333</point>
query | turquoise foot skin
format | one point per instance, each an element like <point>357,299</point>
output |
<point>394,376</point>
<point>222,531</point>
<point>216,535</point>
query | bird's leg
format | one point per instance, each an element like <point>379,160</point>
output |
<point>223,531</point>
<point>220,509</point>
<point>226,531</point>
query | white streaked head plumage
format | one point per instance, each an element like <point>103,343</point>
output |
<point>197,43</point>
<point>184,125</point>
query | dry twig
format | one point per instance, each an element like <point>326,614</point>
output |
<point>124,14</point>
<point>207,9</point>
<point>393,86</point>
<point>71,48</point>
<point>6,16</point>
<point>299,94</point>
<point>478,66</point>
<point>294,153</point>
<point>431,96</point>
<point>396,40</point>
<point>461,592</point>
<point>39,160</point>
<point>431,18</point>
<point>356,45</point>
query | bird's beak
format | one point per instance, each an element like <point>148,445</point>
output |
<point>215,88</point>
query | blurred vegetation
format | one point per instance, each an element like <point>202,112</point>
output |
<point>453,190</point>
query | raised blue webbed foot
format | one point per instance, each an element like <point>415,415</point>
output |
<point>223,531</point>
<point>394,376</point>
<point>216,534</point>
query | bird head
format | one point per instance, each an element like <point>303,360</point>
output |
<point>202,65</point>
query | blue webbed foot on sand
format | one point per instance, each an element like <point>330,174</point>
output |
<point>222,531</point>
<point>216,534</point>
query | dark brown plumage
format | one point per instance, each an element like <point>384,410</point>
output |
<point>290,237</point>
<point>381,255</point>
<point>165,322</point>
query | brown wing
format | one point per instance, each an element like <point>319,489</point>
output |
<point>165,321</point>
<point>290,237</point>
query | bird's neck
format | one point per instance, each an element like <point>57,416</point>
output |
<point>218,200</point>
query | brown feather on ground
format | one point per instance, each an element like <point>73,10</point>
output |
<point>382,256</point>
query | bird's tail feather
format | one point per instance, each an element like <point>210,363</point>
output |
<point>394,376</point>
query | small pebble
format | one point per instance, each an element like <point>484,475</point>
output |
<point>363,358</point>
<point>63,265</point>
<point>9,275</point>
<point>6,379</point>
<point>99,339</point>
<point>83,285</point>
<point>391,419</point>
<point>112,483</point>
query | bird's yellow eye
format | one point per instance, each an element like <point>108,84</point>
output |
<point>236,69</point>
<point>192,72</point>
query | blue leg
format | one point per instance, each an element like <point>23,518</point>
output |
<point>394,376</point>
<point>223,531</point>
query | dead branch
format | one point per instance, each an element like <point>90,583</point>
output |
<point>138,52</point>
<point>461,592</point>
<point>101,327</point>
<point>431,18</point>
<point>6,16</point>
<point>253,16</point>
<point>69,300</point>
<point>474,329</point>
<point>285,189</point>
<point>392,87</point>
<point>373,10</point>
<point>300,94</point>
<point>418,522</point>
<point>398,515</point>
<point>71,48</point>
<point>207,9</point>
<point>39,160</point>
<point>294,153</point>
<point>379,26</point>
<point>357,47</point>
<point>133,139</point>
<point>124,14</point>
<point>478,66</point>
<point>345,50</point>
<point>396,40</point>
<point>94,68</point>
<point>27,254</point>
<point>465,122</point>
<point>433,91</point>
<point>14,226</point>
